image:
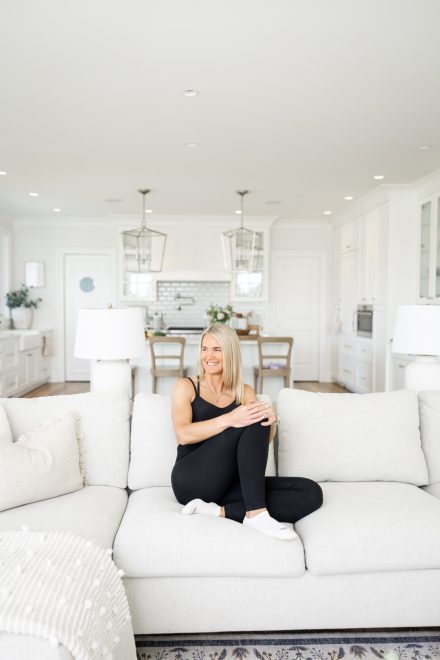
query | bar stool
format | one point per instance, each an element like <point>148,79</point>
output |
<point>280,360</point>
<point>157,356</point>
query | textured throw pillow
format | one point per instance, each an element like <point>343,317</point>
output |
<point>153,442</point>
<point>5,429</point>
<point>41,464</point>
<point>351,437</point>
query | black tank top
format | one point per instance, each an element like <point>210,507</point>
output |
<point>201,411</point>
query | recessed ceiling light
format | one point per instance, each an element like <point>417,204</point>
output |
<point>273,202</point>
<point>3,173</point>
<point>327,212</point>
<point>348,198</point>
<point>114,200</point>
<point>238,212</point>
<point>423,147</point>
<point>148,210</point>
<point>56,210</point>
<point>191,145</point>
<point>190,92</point>
<point>33,194</point>
<point>379,177</point>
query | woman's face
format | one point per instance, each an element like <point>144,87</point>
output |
<point>212,355</point>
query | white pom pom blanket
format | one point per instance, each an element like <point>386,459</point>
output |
<point>63,588</point>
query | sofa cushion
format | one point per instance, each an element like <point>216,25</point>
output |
<point>156,540</point>
<point>351,437</point>
<point>153,442</point>
<point>104,429</point>
<point>429,409</point>
<point>369,527</point>
<point>94,512</point>
<point>41,464</point>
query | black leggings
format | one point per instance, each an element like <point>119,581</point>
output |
<point>229,469</point>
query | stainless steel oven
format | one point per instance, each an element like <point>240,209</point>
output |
<point>364,320</point>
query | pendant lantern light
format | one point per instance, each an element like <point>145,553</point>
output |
<point>144,248</point>
<point>242,246</point>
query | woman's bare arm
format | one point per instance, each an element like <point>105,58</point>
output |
<point>189,432</point>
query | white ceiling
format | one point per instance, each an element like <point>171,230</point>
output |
<point>301,101</point>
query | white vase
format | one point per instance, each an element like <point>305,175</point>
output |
<point>22,317</point>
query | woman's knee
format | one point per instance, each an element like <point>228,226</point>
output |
<point>314,495</point>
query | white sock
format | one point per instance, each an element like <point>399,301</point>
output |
<point>199,506</point>
<point>265,524</point>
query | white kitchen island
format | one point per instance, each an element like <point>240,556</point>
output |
<point>249,354</point>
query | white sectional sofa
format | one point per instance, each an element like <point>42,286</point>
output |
<point>370,557</point>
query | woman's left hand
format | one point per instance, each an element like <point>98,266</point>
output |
<point>272,417</point>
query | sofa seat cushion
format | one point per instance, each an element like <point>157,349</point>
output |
<point>156,540</point>
<point>94,512</point>
<point>369,527</point>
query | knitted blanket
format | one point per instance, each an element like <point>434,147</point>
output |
<point>63,588</point>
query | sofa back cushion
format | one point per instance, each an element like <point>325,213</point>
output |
<point>153,442</point>
<point>429,409</point>
<point>103,429</point>
<point>351,437</point>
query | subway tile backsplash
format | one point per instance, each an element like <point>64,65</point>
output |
<point>175,304</point>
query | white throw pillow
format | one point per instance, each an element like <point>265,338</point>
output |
<point>153,442</point>
<point>351,437</point>
<point>429,408</point>
<point>104,421</point>
<point>5,429</point>
<point>41,464</point>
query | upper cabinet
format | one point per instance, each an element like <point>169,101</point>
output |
<point>373,241</point>
<point>429,250</point>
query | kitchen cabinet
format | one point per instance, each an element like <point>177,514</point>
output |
<point>349,290</point>
<point>429,250</point>
<point>398,366</point>
<point>373,250</point>
<point>355,370</point>
<point>25,361</point>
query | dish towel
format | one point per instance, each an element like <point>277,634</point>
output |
<point>63,588</point>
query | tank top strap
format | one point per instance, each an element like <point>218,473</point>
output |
<point>192,383</point>
<point>198,385</point>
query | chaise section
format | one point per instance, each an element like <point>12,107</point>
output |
<point>156,540</point>
<point>94,512</point>
<point>372,527</point>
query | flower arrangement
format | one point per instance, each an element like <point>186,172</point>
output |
<point>20,298</point>
<point>218,314</point>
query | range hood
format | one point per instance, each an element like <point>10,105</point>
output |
<point>193,276</point>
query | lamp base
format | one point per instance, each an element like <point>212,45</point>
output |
<point>423,374</point>
<point>111,375</point>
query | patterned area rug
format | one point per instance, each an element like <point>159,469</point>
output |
<point>391,645</point>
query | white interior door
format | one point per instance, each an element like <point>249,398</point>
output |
<point>89,281</point>
<point>295,292</point>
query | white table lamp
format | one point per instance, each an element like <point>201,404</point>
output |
<point>417,332</point>
<point>111,337</point>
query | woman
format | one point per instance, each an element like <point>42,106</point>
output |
<point>223,434</point>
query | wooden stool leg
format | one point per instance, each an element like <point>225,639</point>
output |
<point>153,381</point>
<point>255,380</point>
<point>260,384</point>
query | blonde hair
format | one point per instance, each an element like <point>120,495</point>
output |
<point>232,369</point>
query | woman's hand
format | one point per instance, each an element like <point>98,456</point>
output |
<point>272,417</point>
<point>250,413</point>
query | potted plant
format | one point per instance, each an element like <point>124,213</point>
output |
<point>218,314</point>
<point>21,307</point>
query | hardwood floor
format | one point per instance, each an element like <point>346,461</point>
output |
<point>52,389</point>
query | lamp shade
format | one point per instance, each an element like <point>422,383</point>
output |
<point>417,330</point>
<point>110,334</point>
